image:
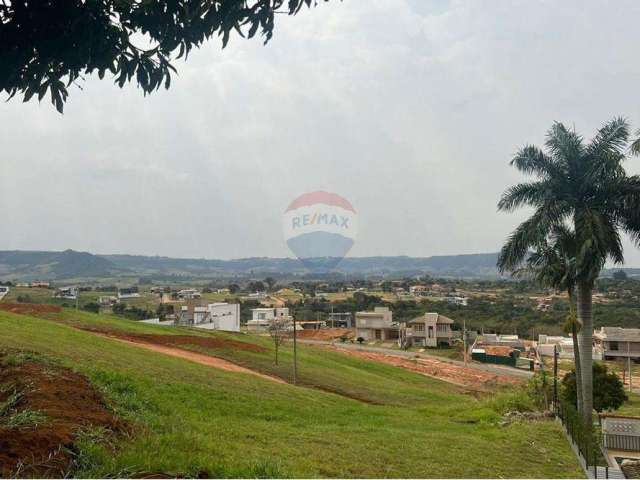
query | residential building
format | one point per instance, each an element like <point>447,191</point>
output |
<point>215,316</point>
<point>192,315</point>
<point>456,300</point>
<point>3,291</point>
<point>108,301</point>
<point>563,345</point>
<point>189,294</point>
<point>261,318</point>
<point>429,330</point>
<point>617,342</point>
<point>131,292</point>
<point>340,320</point>
<point>502,340</point>
<point>68,293</point>
<point>223,316</point>
<point>377,325</point>
<point>419,290</point>
<point>40,284</point>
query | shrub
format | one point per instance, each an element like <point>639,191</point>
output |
<point>91,307</point>
<point>608,390</point>
<point>360,340</point>
<point>517,399</point>
<point>540,389</point>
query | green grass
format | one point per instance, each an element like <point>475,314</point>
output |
<point>192,417</point>
<point>631,407</point>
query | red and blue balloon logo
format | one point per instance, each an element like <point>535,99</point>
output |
<point>320,229</point>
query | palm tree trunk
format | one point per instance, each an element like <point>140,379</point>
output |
<point>586,348</point>
<point>576,360</point>
<point>576,349</point>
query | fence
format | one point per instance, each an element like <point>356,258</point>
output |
<point>586,443</point>
<point>621,442</point>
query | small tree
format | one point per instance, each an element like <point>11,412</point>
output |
<point>608,392</point>
<point>619,275</point>
<point>271,282</point>
<point>279,333</point>
<point>92,307</point>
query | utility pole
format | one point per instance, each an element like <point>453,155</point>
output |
<point>464,340</point>
<point>555,377</point>
<point>629,363</point>
<point>333,322</point>
<point>295,353</point>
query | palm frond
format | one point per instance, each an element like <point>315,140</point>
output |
<point>635,146</point>
<point>531,160</point>
<point>529,234</point>
<point>628,206</point>
<point>565,146</point>
<point>611,137</point>
<point>532,194</point>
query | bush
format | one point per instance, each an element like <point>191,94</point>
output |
<point>517,399</point>
<point>540,389</point>
<point>608,390</point>
<point>360,340</point>
<point>92,307</point>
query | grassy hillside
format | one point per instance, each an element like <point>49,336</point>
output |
<point>383,421</point>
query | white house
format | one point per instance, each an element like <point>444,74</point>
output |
<point>222,316</point>
<point>69,293</point>
<point>188,294</point>
<point>215,316</point>
<point>107,301</point>
<point>3,291</point>
<point>462,301</point>
<point>261,317</point>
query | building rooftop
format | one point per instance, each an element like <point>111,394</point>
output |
<point>432,317</point>
<point>619,334</point>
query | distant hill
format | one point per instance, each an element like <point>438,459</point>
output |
<point>53,265</point>
<point>28,265</point>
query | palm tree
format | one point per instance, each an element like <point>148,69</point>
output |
<point>553,265</point>
<point>635,146</point>
<point>586,186</point>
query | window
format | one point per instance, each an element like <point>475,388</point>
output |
<point>430,331</point>
<point>419,327</point>
<point>613,346</point>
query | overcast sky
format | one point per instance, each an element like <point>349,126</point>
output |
<point>411,109</point>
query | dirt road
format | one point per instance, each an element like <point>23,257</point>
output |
<point>195,357</point>
<point>430,367</point>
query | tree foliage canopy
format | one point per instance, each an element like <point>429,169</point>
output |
<point>580,184</point>
<point>608,391</point>
<point>49,44</point>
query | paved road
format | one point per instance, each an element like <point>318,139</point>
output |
<point>495,369</point>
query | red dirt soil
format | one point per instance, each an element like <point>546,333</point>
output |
<point>69,403</point>
<point>33,309</point>
<point>459,375</point>
<point>200,358</point>
<point>176,340</point>
<point>326,333</point>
